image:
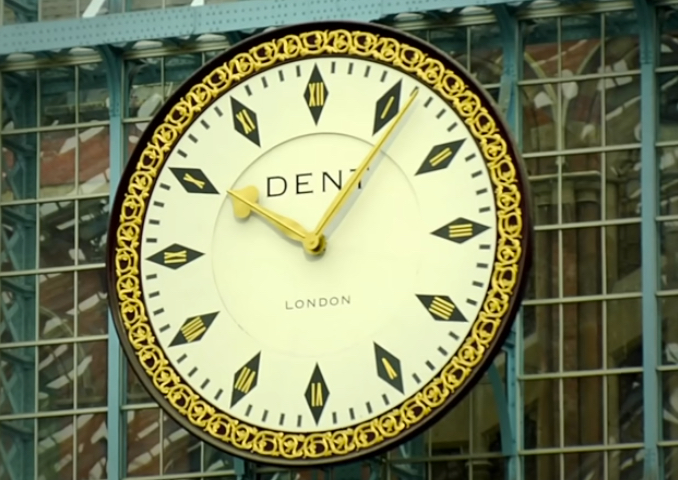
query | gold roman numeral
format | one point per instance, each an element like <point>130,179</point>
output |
<point>175,257</point>
<point>390,371</point>
<point>441,157</point>
<point>441,307</point>
<point>193,329</point>
<point>190,179</point>
<point>316,94</point>
<point>245,380</point>
<point>387,107</point>
<point>317,395</point>
<point>460,231</point>
<point>245,120</point>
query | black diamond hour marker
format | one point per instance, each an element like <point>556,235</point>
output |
<point>387,107</point>
<point>388,368</point>
<point>317,393</point>
<point>193,180</point>
<point>440,157</point>
<point>193,329</point>
<point>245,379</point>
<point>175,256</point>
<point>245,121</point>
<point>442,308</point>
<point>316,94</point>
<point>460,230</point>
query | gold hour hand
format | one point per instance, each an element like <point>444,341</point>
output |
<point>245,201</point>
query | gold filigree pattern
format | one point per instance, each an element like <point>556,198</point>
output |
<point>506,273</point>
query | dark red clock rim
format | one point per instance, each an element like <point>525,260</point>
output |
<point>514,305</point>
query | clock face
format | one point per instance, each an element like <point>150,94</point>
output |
<point>316,255</point>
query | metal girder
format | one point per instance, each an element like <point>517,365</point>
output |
<point>649,173</point>
<point>122,28</point>
<point>117,89</point>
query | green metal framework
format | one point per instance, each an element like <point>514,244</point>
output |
<point>586,383</point>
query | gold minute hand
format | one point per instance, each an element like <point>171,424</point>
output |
<point>245,200</point>
<point>354,179</point>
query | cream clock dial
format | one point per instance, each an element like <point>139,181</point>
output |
<point>312,256</point>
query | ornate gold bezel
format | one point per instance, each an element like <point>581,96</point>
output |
<point>507,273</point>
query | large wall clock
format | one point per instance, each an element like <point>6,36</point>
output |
<point>318,244</point>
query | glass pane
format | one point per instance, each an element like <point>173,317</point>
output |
<point>545,273</point>
<point>145,80</point>
<point>624,333</point>
<point>58,9</point>
<point>622,186</point>
<point>94,161</point>
<point>671,463</point>
<point>178,69</point>
<point>584,465</point>
<point>17,436</point>
<point>18,244</point>
<point>56,305</point>
<point>540,114</point>
<point>582,261</point>
<point>19,167</point>
<point>57,163</point>
<point>56,379</point>
<point>541,334</point>
<point>583,336</point>
<point>541,420</point>
<point>668,238</point>
<point>57,94</point>
<point>133,5</point>
<point>583,412</point>
<point>181,450</point>
<point>621,42</point>
<point>57,232</point>
<point>668,25</point>
<point>547,467</point>
<point>625,464</point>
<point>625,408</point>
<point>581,36</point>
<point>18,371</point>
<point>623,251</point>
<point>214,460</point>
<point>92,440</point>
<point>668,180</point>
<point>92,90</point>
<point>92,374</point>
<point>19,95</point>
<point>136,392</point>
<point>540,41</point>
<point>582,107</point>
<point>667,90</point>
<point>454,42</point>
<point>622,106</point>
<point>92,303</point>
<point>55,448</point>
<point>143,442</point>
<point>92,230</point>
<point>486,61</point>
<point>17,308</point>
<point>668,311</point>
<point>452,434</point>
<point>581,188</point>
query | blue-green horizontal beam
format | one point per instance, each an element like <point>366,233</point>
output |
<point>123,28</point>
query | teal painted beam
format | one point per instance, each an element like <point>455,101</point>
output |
<point>114,419</point>
<point>122,28</point>
<point>651,322</point>
<point>508,399</point>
